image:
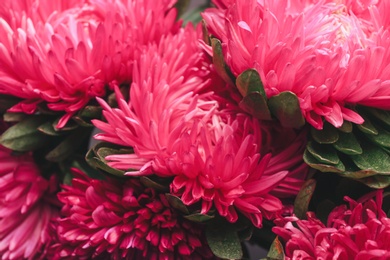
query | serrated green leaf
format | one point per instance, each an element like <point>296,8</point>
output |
<point>328,135</point>
<point>176,203</point>
<point>348,144</point>
<point>276,251</point>
<point>382,138</point>
<point>224,241</point>
<point>285,106</point>
<point>301,203</point>
<point>323,153</point>
<point>198,217</point>
<point>372,158</point>
<point>367,127</point>
<point>219,62</point>
<point>256,105</point>
<point>248,82</point>
<point>48,129</point>
<point>314,163</point>
<point>24,136</point>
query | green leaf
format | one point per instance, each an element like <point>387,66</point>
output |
<point>372,158</point>
<point>328,135</point>
<point>377,181</point>
<point>198,217</point>
<point>382,138</point>
<point>301,203</point>
<point>348,144</point>
<point>323,153</point>
<point>176,203</point>
<point>48,129</point>
<point>276,251</point>
<point>206,36</point>
<point>91,112</point>
<point>367,127</point>
<point>347,127</point>
<point>70,125</point>
<point>224,241</point>
<point>285,106</point>
<point>147,181</point>
<point>248,82</point>
<point>96,158</point>
<point>380,114</point>
<point>314,163</point>
<point>219,62</point>
<point>14,117</point>
<point>67,147</point>
<point>24,136</point>
<point>256,105</point>
<point>181,7</point>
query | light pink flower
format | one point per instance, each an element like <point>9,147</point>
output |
<point>116,219</point>
<point>25,211</point>
<point>320,50</point>
<point>359,231</point>
<point>65,54</point>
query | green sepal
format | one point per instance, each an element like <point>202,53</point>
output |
<point>205,31</point>
<point>367,127</point>
<point>48,129</point>
<point>67,147</point>
<point>301,203</point>
<point>382,138</point>
<point>255,104</point>
<point>24,136</point>
<point>323,153</point>
<point>14,117</point>
<point>223,240</point>
<point>276,251</point>
<point>328,135</point>
<point>348,144</point>
<point>316,164</point>
<point>181,7</point>
<point>219,62</point>
<point>377,181</point>
<point>96,157</point>
<point>198,217</point>
<point>382,115</point>
<point>372,158</point>
<point>285,106</point>
<point>149,182</point>
<point>346,127</point>
<point>248,82</point>
<point>70,125</point>
<point>177,203</point>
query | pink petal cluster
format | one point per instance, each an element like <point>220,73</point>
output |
<point>65,53</point>
<point>178,128</point>
<point>117,219</point>
<point>331,54</point>
<point>25,208</point>
<point>358,231</point>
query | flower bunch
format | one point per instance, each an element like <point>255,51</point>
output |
<point>129,130</point>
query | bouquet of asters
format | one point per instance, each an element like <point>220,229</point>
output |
<point>133,129</point>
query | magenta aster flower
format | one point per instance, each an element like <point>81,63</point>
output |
<point>65,54</point>
<point>25,211</point>
<point>320,50</point>
<point>120,219</point>
<point>358,231</point>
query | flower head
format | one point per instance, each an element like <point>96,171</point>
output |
<point>358,231</point>
<point>124,220</point>
<point>25,211</point>
<point>320,50</point>
<point>65,54</point>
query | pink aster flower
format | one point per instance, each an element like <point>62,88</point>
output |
<point>320,50</point>
<point>163,102</point>
<point>65,54</point>
<point>358,231</point>
<point>25,211</point>
<point>116,219</point>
